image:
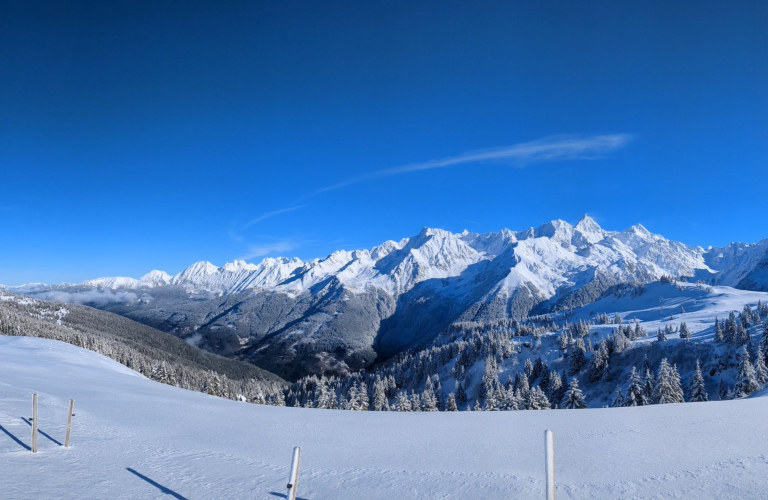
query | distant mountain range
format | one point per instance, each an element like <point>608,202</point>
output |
<point>353,307</point>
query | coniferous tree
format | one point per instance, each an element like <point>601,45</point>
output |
<point>578,357</point>
<point>401,402</point>
<point>618,398</point>
<point>761,371</point>
<point>461,394</point>
<point>635,395</point>
<point>451,404</point>
<point>697,390</point>
<point>553,388</point>
<point>597,365</point>
<point>718,332</point>
<point>667,388</point>
<point>648,383</point>
<point>661,335</point>
<point>573,399</point>
<point>538,400</point>
<point>746,380</point>
<point>380,402</point>
<point>685,333</point>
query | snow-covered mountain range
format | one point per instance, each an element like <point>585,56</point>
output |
<point>355,306</point>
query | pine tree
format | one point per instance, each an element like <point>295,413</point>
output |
<point>322,399</point>
<point>573,399</point>
<point>761,372</point>
<point>597,365</point>
<point>380,402</point>
<point>746,380</point>
<point>635,392</point>
<point>401,402</point>
<point>279,399</point>
<point>538,400</point>
<point>648,383</point>
<point>451,404</point>
<point>578,357</point>
<point>697,390</point>
<point>618,398</point>
<point>667,388</point>
<point>661,335</point>
<point>553,388</point>
<point>718,332</point>
<point>461,394</point>
<point>685,333</point>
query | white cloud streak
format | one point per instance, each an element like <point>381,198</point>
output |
<point>553,148</point>
<point>272,214</point>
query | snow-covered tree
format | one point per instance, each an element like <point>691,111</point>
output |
<point>685,333</point>
<point>635,395</point>
<point>667,388</point>
<point>618,398</point>
<point>537,400</point>
<point>578,357</point>
<point>380,402</point>
<point>761,372</point>
<point>451,404</point>
<point>401,402</point>
<point>573,399</point>
<point>661,335</point>
<point>697,390</point>
<point>746,379</point>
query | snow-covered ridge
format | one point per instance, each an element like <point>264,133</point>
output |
<point>554,256</point>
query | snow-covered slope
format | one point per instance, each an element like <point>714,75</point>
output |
<point>134,438</point>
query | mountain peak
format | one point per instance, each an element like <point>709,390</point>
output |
<point>238,265</point>
<point>590,229</point>
<point>588,224</point>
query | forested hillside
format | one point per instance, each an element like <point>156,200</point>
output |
<point>152,353</point>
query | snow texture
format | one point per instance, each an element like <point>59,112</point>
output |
<point>134,438</point>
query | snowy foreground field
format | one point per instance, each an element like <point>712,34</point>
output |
<point>134,438</point>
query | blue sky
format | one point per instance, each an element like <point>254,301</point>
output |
<point>141,136</point>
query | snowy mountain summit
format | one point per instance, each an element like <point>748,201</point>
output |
<point>550,257</point>
<point>356,306</point>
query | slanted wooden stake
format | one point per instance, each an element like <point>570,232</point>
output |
<point>69,423</point>
<point>549,464</point>
<point>34,423</point>
<point>293,479</point>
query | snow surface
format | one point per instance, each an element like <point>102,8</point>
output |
<point>134,438</point>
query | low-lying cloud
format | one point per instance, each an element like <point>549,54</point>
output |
<point>97,297</point>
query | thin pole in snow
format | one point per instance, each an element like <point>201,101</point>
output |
<point>293,478</point>
<point>549,464</point>
<point>69,422</point>
<point>34,423</point>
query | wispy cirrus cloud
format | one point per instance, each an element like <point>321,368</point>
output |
<point>272,214</point>
<point>553,148</point>
<point>547,149</point>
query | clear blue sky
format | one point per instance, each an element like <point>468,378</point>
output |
<point>140,135</point>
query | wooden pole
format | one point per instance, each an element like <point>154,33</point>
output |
<point>293,478</point>
<point>34,423</point>
<point>549,464</point>
<point>69,423</point>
